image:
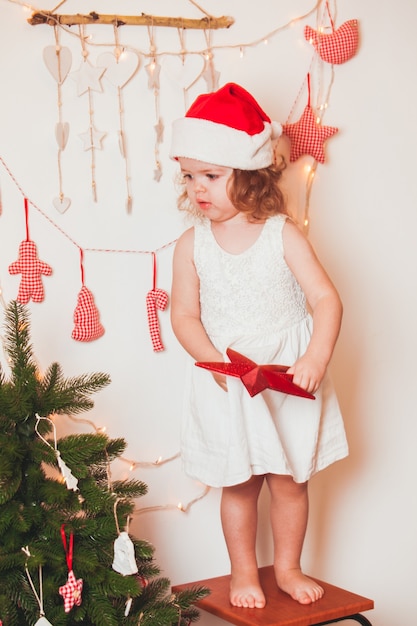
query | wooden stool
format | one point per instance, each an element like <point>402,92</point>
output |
<point>281,610</point>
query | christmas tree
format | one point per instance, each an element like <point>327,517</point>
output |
<point>61,514</point>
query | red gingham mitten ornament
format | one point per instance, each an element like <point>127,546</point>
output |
<point>31,269</point>
<point>155,299</point>
<point>307,136</point>
<point>71,591</point>
<point>87,326</point>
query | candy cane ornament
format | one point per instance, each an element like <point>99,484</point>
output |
<point>155,299</point>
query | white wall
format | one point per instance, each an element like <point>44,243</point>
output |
<point>362,533</point>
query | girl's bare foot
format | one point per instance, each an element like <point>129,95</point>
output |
<point>246,592</point>
<point>298,586</point>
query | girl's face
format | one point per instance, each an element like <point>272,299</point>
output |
<point>206,186</point>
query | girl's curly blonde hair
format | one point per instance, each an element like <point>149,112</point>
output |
<point>254,192</point>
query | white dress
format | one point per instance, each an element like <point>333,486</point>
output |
<point>252,303</point>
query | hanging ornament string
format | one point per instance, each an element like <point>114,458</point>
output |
<point>155,299</point>
<point>153,70</point>
<point>68,548</point>
<point>58,60</point>
<point>38,596</point>
<point>88,80</point>
<point>210,74</point>
<point>69,479</point>
<point>26,205</point>
<point>120,66</point>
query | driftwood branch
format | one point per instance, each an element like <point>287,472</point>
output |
<point>53,19</point>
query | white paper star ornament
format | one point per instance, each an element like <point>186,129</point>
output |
<point>88,77</point>
<point>92,139</point>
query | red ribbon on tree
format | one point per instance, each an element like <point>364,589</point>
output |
<point>155,299</point>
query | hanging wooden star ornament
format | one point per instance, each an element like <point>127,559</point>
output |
<point>88,77</point>
<point>307,136</point>
<point>92,138</point>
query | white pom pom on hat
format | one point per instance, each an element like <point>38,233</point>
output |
<point>227,128</point>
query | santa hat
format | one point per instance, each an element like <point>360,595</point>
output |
<point>228,128</point>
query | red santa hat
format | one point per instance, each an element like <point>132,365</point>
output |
<point>228,128</point>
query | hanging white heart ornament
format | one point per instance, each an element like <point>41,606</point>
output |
<point>58,61</point>
<point>119,71</point>
<point>61,204</point>
<point>184,72</point>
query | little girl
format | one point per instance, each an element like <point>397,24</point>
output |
<point>243,277</point>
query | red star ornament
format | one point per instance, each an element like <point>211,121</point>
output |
<point>71,592</point>
<point>308,137</point>
<point>255,377</point>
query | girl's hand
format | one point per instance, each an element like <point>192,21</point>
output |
<point>307,373</point>
<point>220,380</point>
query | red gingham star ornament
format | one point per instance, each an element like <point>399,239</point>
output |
<point>307,136</point>
<point>71,591</point>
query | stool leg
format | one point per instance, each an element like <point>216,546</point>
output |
<point>361,619</point>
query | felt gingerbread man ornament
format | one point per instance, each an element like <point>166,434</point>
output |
<point>31,268</point>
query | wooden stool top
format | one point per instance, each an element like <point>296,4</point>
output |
<point>280,609</point>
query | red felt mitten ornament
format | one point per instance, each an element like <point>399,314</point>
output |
<point>307,136</point>
<point>87,326</point>
<point>338,46</point>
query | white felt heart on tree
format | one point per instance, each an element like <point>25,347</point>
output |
<point>61,134</point>
<point>184,72</point>
<point>58,61</point>
<point>61,204</point>
<point>119,71</point>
